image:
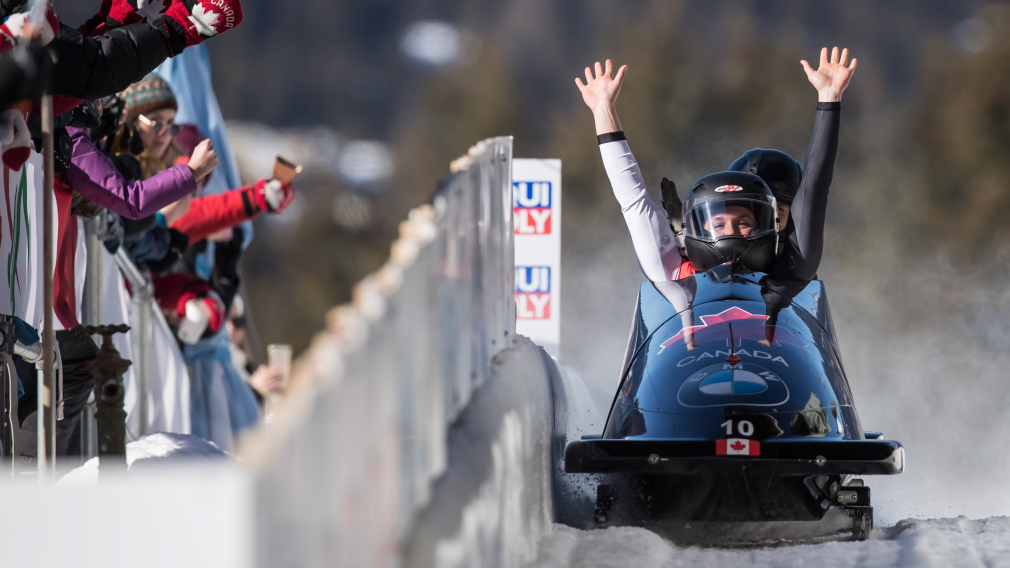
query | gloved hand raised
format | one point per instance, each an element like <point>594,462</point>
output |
<point>273,196</point>
<point>19,28</point>
<point>193,21</point>
<point>115,13</point>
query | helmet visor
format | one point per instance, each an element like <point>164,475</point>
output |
<point>745,217</point>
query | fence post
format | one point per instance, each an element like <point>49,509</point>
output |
<point>91,311</point>
<point>47,386</point>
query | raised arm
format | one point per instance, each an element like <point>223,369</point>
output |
<point>654,241</point>
<point>95,177</point>
<point>809,208</point>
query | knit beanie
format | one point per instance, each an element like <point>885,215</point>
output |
<point>149,94</point>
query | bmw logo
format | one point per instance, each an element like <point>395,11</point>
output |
<point>741,383</point>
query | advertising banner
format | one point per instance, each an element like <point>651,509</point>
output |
<point>536,202</point>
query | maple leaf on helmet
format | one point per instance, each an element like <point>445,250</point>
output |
<point>205,21</point>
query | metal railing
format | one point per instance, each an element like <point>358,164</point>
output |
<point>350,455</point>
<point>141,302</point>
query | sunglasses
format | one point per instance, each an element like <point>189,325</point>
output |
<point>156,127</point>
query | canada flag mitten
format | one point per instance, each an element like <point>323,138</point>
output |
<point>17,28</point>
<point>14,139</point>
<point>273,196</point>
<point>190,22</point>
<point>115,13</point>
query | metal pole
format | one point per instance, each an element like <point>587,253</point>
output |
<point>94,228</point>
<point>46,459</point>
<point>92,309</point>
<point>141,299</point>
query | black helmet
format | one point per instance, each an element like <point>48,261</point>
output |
<point>779,170</point>
<point>731,217</point>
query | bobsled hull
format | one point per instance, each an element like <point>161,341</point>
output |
<point>687,457</point>
<point>733,405</point>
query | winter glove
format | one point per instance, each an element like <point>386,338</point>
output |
<point>113,236</point>
<point>14,139</point>
<point>13,32</point>
<point>272,196</point>
<point>116,13</point>
<point>190,22</point>
<point>85,115</point>
<point>199,309</point>
<point>198,315</point>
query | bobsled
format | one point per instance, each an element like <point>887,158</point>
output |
<point>733,405</point>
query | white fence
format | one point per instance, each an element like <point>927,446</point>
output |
<point>345,462</point>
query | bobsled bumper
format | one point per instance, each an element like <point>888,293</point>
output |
<point>686,457</point>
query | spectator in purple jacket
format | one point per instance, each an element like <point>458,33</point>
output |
<point>93,175</point>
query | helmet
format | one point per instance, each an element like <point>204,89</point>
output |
<point>779,170</point>
<point>731,217</point>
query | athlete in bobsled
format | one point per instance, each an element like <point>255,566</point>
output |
<point>656,243</point>
<point>733,404</point>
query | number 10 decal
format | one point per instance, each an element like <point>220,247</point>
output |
<point>744,428</point>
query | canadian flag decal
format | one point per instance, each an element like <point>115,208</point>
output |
<point>737,447</point>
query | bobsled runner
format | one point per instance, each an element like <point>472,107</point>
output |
<point>733,406</point>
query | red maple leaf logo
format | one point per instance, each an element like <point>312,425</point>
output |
<point>737,446</point>
<point>730,315</point>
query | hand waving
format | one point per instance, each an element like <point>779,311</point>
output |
<point>832,76</point>
<point>601,92</point>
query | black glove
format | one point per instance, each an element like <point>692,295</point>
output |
<point>85,115</point>
<point>113,236</point>
<point>112,114</point>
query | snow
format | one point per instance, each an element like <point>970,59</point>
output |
<point>912,542</point>
<point>153,450</point>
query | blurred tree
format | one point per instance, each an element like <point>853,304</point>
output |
<point>963,129</point>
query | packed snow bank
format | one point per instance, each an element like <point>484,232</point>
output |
<point>493,504</point>
<point>960,542</point>
<point>155,449</point>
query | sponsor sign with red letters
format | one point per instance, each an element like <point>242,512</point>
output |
<point>531,207</point>
<point>536,214</point>
<point>533,292</point>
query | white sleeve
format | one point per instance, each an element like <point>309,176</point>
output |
<point>654,240</point>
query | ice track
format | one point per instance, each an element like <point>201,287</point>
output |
<point>955,542</point>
